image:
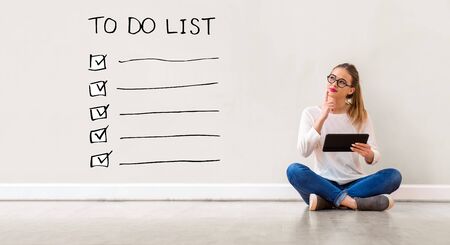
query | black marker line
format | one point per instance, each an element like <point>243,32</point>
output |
<point>168,87</point>
<point>168,136</point>
<point>162,112</point>
<point>167,60</point>
<point>168,161</point>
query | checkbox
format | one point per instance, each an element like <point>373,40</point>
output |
<point>97,88</point>
<point>99,112</point>
<point>100,160</point>
<point>97,62</point>
<point>98,135</point>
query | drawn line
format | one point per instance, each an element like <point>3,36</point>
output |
<point>161,112</point>
<point>167,60</point>
<point>169,136</point>
<point>168,87</point>
<point>168,161</point>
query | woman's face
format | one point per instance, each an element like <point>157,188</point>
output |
<point>341,82</point>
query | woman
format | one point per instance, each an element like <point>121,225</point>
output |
<point>338,180</point>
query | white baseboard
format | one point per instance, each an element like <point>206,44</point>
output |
<point>185,191</point>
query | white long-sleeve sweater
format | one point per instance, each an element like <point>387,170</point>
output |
<point>342,167</point>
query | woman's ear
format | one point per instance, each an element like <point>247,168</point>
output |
<point>349,95</point>
<point>352,91</point>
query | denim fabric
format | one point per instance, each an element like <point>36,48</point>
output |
<point>305,181</point>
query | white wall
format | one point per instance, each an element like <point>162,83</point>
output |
<point>273,59</point>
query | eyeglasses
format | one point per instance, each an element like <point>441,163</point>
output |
<point>340,82</point>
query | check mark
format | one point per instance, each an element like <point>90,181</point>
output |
<point>102,86</point>
<point>100,160</point>
<point>99,112</point>
<point>98,135</point>
<point>97,88</point>
<point>97,62</point>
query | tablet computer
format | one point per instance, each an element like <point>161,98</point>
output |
<point>343,142</point>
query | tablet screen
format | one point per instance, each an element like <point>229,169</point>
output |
<point>343,142</point>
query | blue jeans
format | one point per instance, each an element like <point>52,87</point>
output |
<point>305,181</point>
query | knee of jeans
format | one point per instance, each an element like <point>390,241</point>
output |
<point>295,171</point>
<point>395,176</point>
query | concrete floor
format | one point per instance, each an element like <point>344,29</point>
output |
<point>139,222</point>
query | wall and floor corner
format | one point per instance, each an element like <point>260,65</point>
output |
<point>180,191</point>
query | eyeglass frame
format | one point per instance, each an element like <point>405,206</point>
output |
<point>337,81</point>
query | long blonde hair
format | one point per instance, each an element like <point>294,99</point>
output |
<point>357,111</point>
